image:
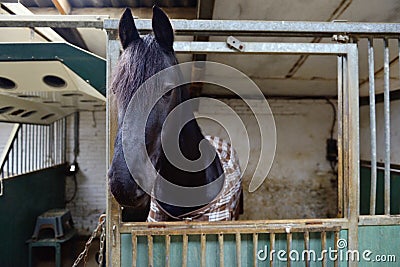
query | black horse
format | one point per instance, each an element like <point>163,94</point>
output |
<point>143,57</point>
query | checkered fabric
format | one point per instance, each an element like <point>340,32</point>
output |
<point>226,205</point>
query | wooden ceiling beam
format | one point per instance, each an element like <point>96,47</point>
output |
<point>63,6</point>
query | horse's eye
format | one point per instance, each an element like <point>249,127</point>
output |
<point>167,93</point>
<point>170,88</point>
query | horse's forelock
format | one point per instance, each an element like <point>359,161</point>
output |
<point>138,62</point>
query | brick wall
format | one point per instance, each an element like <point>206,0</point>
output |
<point>90,200</point>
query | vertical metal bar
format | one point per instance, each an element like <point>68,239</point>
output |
<point>289,238</point>
<point>25,138</point>
<point>353,148</point>
<point>167,250</point>
<point>255,249</point>
<point>113,253</point>
<point>323,246</point>
<point>336,248</point>
<point>345,140</point>
<point>12,160</point>
<point>307,247</point>
<point>203,250</point>
<point>57,141</point>
<point>134,249</point>
<point>221,249</point>
<point>272,248</point>
<point>150,249</point>
<point>37,147</point>
<point>238,250</point>
<point>65,141</point>
<point>30,147</point>
<point>45,146</point>
<point>40,146</point>
<point>340,136</point>
<point>372,119</point>
<point>184,249</point>
<point>386,103</point>
<point>17,153</point>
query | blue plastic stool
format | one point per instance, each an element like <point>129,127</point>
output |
<point>56,219</point>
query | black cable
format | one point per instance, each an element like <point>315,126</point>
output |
<point>334,116</point>
<point>332,163</point>
<point>75,190</point>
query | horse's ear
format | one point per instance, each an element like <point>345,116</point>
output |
<point>162,29</point>
<point>127,29</point>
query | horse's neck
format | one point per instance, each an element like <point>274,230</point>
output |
<point>189,142</point>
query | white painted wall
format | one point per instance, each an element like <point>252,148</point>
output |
<point>300,183</point>
<point>5,130</point>
<point>365,135</point>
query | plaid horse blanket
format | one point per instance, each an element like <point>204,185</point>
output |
<point>226,205</point>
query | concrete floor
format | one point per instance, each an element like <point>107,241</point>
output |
<point>45,257</point>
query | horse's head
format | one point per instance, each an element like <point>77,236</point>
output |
<point>142,57</point>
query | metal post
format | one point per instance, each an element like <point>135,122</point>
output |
<point>113,210</point>
<point>372,119</point>
<point>386,103</point>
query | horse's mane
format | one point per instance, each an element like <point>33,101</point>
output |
<point>138,62</point>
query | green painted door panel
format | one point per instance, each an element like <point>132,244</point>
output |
<point>230,258</point>
<point>365,192</point>
<point>25,197</point>
<point>380,245</point>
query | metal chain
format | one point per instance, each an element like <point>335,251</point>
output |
<point>84,253</point>
<point>102,242</point>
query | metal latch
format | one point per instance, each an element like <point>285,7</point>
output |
<point>235,43</point>
<point>342,37</point>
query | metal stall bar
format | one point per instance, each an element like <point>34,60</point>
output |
<point>351,126</point>
<point>113,237</point>
<point>386,103</point>
<point>341,188</point>
<point>271,247</point>
<point>255,249</point>
<point>238,249</point>
<point>307,247</point>
<point>150,250</point>
<point>167,250</point>
<point>185,250</point>
<point>336,247</point>
<point>221,249</point>
<point>134,249</point>
<point>323,246</point>
<point>203,245</point>
<point>372,119</point>
<point>289,239</point>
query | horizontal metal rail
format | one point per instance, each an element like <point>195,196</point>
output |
<point>261,48</point>
<point>54,21</point>
<point>268,28</point>
<point>254,226</point>
<point>212,27</point>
